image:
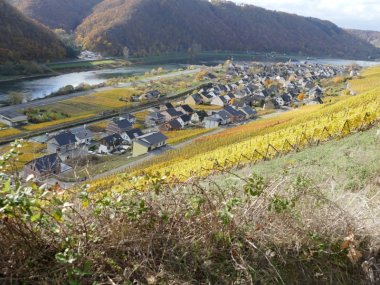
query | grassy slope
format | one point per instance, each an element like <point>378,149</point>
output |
<point>349,162</point>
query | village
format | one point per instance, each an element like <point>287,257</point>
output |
<point>251,89</point>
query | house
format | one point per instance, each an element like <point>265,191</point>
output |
<point>148,142</point>
<point>110,144</point>
<point>271,104</point>
<point>43,167</point>
<point>194,99</point>
<point>171,114</point>
<point>132,135</point>
<point>185,119</point>
<point>13,118</point>
<point>150,95</point>
<point>211,122</point>
<point>82,135</point>
<point>198,116</point>
<point>249,112</point>
<point>154,119</point>
<point>235,115</point>
<point>173,125</point>
<point>224,117</point>
<point>316,92</point>
<point>206,98</point>
<point>129,117</point>
<point>219,101</point>
<point>287,99</point>
<point>186,109</point>
<point>118,127</point>
<point>279,101</point>
<point>64,144</point>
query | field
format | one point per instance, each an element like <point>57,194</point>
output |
<point>9,132</point>
<point>111,99</point>
<point>54,123</point>
<point>369,80</point>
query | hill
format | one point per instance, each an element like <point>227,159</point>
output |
<point>310,217</point>
<point>143,27</point>
<point>24,39</point>
<point>373,37</point>
<point>56,14</point>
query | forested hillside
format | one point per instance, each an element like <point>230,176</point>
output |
<point>64,14</point>
<point>152,27</point>
<point>24,39</point>
<point>372,37</point>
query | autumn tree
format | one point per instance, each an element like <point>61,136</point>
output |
<point>301,96</point>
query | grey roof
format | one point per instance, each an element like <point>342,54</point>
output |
<point>169,106</point>
<point>212,119</point>
<point>186,118</point>
<point>249,110</point>
<point>202,114</point>
<point>82,133</point>
<point>224,114</point>
<point>134,133</point>
<point>153,138</point>
<point>123,124</point>
<point>173,112</point>
<point>286,97</point>
<point>187,108</point>
<point>233,111</point>
<point>65,138</point>
<point>46,163</point>
<point>197,98</point>
<point>12,114</point>
<point>175,124</point>
<point>114,139</point>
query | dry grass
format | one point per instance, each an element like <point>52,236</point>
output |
<point>9,132</point>
<point>55,123</point>
<point>206,107</point>
<point>106,99</point>
<point>99,126</point>
<point>368,81</point>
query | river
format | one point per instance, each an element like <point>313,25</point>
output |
<point>42,87</point>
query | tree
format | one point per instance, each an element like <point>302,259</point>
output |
<point>126,52</point>
<point>301,96</point>
<point>15,98</point>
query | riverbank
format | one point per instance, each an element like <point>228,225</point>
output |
<point>64,67</point>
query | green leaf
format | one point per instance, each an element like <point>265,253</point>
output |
<point>36,217</point>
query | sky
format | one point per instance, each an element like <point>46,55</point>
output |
<point>356,14</point>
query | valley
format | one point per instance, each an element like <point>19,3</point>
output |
<point>189,142</point>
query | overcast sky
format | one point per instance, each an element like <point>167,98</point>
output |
<point>358,14</point>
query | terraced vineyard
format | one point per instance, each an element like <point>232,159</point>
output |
<point>262,140</point>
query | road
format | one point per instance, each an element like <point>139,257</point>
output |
<point>56,99</point>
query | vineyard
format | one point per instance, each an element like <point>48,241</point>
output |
<point>175,137</point>
<point>259,141</point>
